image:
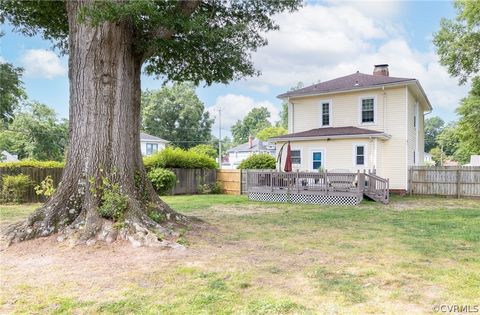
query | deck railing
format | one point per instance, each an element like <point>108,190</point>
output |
<point>322,182</point>
<point>377,188</point>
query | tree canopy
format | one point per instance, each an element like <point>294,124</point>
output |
<point>188,40</point>
<point>256,120</point>
<point>271,132</point>
<point>176,114</point>
<point>458,41</point>
<point>11,90</point>
<point>469,123</point>
<point>433,127</point>
<point>36,133</point>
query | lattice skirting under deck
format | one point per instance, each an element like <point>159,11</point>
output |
<point>301,198</point>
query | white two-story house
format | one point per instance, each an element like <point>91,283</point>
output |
<point>358,122</point>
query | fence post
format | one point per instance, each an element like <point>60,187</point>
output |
<point>410,181</point>
<point>458,182</point>
<point>297,183</point>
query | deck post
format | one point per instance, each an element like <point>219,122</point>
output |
<point>271,181</point>
<point>297,183</point>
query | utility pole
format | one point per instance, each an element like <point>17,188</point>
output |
<point>219,137</point>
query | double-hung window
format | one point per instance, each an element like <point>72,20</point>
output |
<point>360,155</point>
<point>368,110</point>
<point>296,157</point>
<point>326,114</point>
<point>151,148</point>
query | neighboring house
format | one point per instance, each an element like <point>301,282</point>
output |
<point>358,122</point>
<point>8,157</point>
<point>151,144</point>
<point>239,153</point>
<point>474,160</point>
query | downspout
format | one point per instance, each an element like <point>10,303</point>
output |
<point>384,109</point>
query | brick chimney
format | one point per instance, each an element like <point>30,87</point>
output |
<point>250,142</point>
<point>381,70</point>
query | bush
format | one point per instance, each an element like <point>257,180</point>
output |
<point>114,203</point>
<point>32,163</point>
<point>162,180</point>
<point>179,158</point>
<point>14,188</point>
<point>46,187</point>
<point>258,162</point>
<point>215,188</point>
<point>205,149</point>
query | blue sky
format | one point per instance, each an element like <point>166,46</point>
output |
<point>321,41</point>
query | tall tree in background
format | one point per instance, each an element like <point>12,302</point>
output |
<point>108,42</point>
<point>176,114</point>
<point>433,127</point>
<point>256,120</point>
<point>271,132</point>
<point>468,129</point>
<point>11,90</point>
<point>284,111</point>
<point>36,133</point>
<point>458,41</point>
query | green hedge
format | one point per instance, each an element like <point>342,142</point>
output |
<point>162,180</point>
<point>262,161</point>
<point>179,158</point>
<point>32,163</point>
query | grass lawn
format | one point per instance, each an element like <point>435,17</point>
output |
<point>261,258</point>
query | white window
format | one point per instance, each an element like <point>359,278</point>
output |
<point>152,148</point>
<point>360,155</point>
<point>296,157</point>
<point>367,110</point>
<point>326,111</point>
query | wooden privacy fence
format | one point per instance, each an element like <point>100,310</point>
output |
<point>231,181</point>
<point>190,180</point>
<point>36,175</point>
<point>453,181</point>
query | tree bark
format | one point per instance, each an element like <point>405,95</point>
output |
<point>104,75</point>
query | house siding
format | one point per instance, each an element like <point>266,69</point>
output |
<point>345,109</point>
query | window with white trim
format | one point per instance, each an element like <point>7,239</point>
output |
<point>360,155</point>
<point>317,160</point>
<point>326,114</point>
<point>151,148</point>
<point>368,110</point>
<point>296,157</point>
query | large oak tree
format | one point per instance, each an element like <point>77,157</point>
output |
<point>108,42</point>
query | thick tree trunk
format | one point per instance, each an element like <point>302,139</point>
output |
<point>104,153</point>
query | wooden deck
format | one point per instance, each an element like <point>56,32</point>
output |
<point>312,187</point>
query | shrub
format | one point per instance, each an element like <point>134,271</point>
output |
<point>215,188</point>
<point>162,180</point>
<point>179,158</point>
<point>14,188</point>
<point>205,149</point>
<point>32,163</point>
<point>114,203</point>
<point>46,187</point>
<point>258,161</point>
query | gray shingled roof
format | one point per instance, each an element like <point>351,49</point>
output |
<point>257,145</point>
<point>350,82</point>
<point>145,136</point>
<point>330,131</point>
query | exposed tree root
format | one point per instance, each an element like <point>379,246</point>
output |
<point>87,227</point>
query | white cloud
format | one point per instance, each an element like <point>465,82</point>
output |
<point>236,107</point>
<point>41,63</point>
<point>322,42</point>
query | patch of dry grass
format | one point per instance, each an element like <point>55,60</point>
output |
<point>263,258</point>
